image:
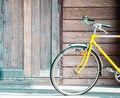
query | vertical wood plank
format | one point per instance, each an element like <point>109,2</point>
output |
<point>20,34</point>
<point>55,29</point>
<point>45,34</point>
<point>16,34</point>
<point>7,33</point>
<point>1,32</point>
<point>35,38</point>
<point>27,38</point>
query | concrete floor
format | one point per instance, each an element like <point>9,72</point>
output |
<point>36,91</point>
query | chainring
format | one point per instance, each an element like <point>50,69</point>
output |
<point>117,76</point>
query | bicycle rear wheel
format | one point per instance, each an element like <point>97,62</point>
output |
<point>63,76</point>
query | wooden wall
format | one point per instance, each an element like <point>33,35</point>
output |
<point>104,11</point>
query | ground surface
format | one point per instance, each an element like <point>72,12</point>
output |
<point>42,91</point>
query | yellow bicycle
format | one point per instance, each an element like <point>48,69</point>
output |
<point>77,68</point>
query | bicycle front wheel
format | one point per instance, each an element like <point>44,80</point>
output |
<point>63,75</point>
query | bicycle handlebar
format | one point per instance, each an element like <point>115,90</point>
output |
<point>85,19</point>
<point>96,26</point>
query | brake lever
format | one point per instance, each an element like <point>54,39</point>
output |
<point>100,28</point>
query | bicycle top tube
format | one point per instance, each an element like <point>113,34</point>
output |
<point>95,25</point>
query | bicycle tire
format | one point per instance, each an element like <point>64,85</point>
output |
<point>57,73</point>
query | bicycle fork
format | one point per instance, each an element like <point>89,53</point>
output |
<point>84,61</point>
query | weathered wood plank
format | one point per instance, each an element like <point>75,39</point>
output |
<point>70,61</point>
<point>97,13</point>
<point>16,34</point>
<point>74,60</point>
<point>55,29</point>
<point>90,73</point>
<point>27,38</point>
<point>110,49</point>
<point>77,25</point>
<point>20,34</point>
<point>91,3</point>
<point>7,33</point>
<point>14,45</point>
<point>1,33</point>
<point>45,40</point>
<point>83,37</point>
<point>35,56</point>
<point>103,82</point>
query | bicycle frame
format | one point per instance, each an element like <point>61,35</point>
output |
<point>92,42</point>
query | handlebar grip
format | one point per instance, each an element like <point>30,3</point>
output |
<point>88,19</point>
<point>106,25</point>
<point>91,19</point>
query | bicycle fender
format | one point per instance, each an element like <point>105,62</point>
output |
<point>85,47</point>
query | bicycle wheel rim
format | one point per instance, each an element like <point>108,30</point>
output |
<point>78,92</point>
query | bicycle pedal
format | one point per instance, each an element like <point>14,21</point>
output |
<point>109,69</point>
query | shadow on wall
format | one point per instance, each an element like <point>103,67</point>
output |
<point>118,16</point>
<point>118,9</point>
<point>118,27</point>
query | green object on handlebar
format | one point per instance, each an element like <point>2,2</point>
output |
<point>106,25</point>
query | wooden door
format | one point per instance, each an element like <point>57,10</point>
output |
<point>27,40</point>
<point>12,38</point>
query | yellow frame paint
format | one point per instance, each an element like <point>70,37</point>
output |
<point>92,42</point>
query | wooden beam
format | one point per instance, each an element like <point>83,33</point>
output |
<point>16,34</point>
<point>27,37</point>
<point>35,38</point>
<point>7,33</point>
<point>45,39</point>
<point>55,29</point>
